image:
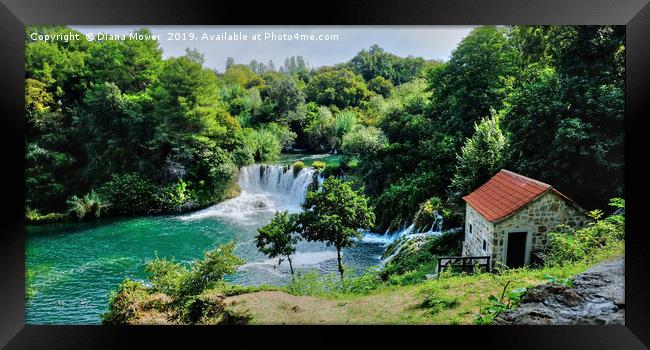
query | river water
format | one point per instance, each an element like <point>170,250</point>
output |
<point>75,265</point>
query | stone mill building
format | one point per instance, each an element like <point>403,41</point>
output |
<point>509,216</point>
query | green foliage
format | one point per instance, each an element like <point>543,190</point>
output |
<point>436,303</point>
<point>420,259</point>
<point>178,281</point>
<point>282,133</point>
<point>129,194</point>
<point>122,304</point>
<point>363,141</point>
<point>175,197</point>
<point>34,217</point>
<point>336,86</point>
<point>376,62</point>
<point>476,79</point>
<point>279,238</point>
<point>284,101</point>
<point>265,144</point>
<point>481,157</point>
<point>566,282</point>
<point>312,283</point>
<point>430,212</point>
<point>380,86</point>
<point>333,215</point>
<point>318,165</point>
<point>569,244</point>
<point>297,167</point>
<point>320,132</point>
<point>89,204</point>
<point>565,115</point>
<point>507,300</point>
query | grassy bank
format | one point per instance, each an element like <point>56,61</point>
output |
<point>448,300</point>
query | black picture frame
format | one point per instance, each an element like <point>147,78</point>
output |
<point>15,14</point>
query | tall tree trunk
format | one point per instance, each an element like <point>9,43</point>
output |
<point>290,266</point>
<point>340,261</point>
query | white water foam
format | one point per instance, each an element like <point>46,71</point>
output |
<point>298,260</point>
<point>265,189</point>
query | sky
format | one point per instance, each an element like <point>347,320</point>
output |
<point>429,42</point>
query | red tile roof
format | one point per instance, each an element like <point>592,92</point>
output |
<point>506,192</point>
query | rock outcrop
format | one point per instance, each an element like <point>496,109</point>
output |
<point>597,296</point>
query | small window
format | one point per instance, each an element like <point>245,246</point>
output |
<point>484,244</point>
<point>470,228</point>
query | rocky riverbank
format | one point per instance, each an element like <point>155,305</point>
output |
<point>596,296</point>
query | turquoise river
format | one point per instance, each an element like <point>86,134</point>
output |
<point>74,266</point>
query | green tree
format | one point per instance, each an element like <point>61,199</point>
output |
<point>373,62</point>
<point>364,142</point>
<point>320,132</point>
<point>565,117</point>
<point>476,79</point>
<point>283,100</point>
<point>279,238</point>
<point>481,157</point>
<point>380,85</point>
<point>333,215</point>
<point>336,86</point>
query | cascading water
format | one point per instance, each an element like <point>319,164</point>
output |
<point>264,189</point>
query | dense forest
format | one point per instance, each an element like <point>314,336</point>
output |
<point>114,128</point>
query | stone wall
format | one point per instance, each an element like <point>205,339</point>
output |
<point>538,218</point>
<point>481,229</point>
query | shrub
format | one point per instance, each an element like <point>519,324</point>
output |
<point>314,284</point>
<point>380,85</point>
<point>129,194</point>
<point>318,165</point>
<point>568,244</point>
<point>419,259</point>
<point>179,281</point>
<point>33,216</point>
<point>175,197</point>
<point>89,204</point>
<point>297,167</point>
<point>507,300</point>
<point>364,141</point>
<point>429,212</point>
<point>182,285</point>
<point>122,304</point>
<point>265,144</point>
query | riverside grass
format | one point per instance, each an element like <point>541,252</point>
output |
<point>455,299</point>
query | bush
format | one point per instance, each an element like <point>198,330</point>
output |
<point>122,304</point>
<point>265,144</point>
<point>318,165</point>
<point>34,217</point>
<point>90,204</point>
<point>297,167</point>
<point>178,281</point>
<point>319,133</point>
<point>429,212</point>
<point>178,288</point>
<point>569,244</point>
<point>129,194</point>
<point>380,85</point>
<point>314,284</point>
<point>364,141</point>
<point>175,197</point>
<point>421,257</point>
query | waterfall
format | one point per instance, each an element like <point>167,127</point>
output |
<point>276,180</point>
<point>265,189</point>
<point>406,232</point>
